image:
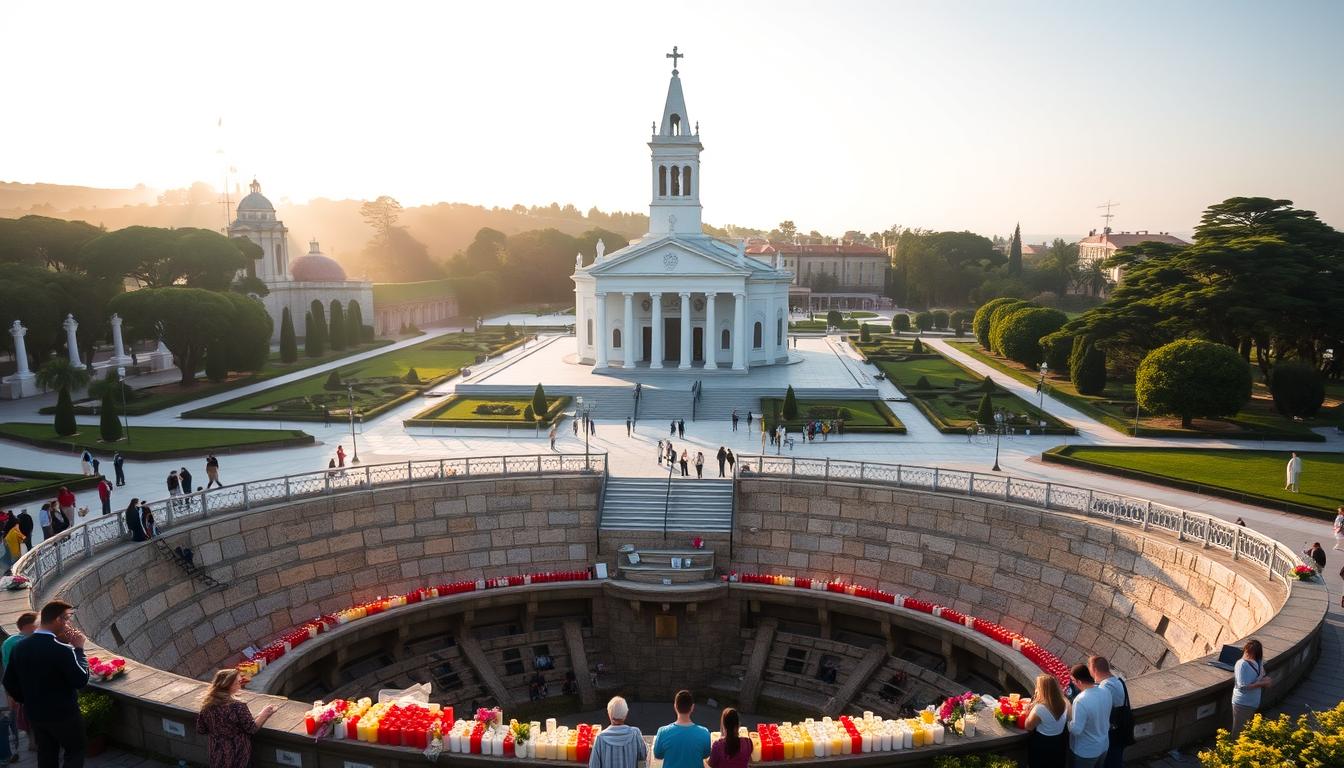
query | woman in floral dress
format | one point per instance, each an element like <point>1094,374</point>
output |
<point>228,722</point>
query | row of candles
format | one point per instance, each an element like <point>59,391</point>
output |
<point>1047,661</point>
<point>300,634</point>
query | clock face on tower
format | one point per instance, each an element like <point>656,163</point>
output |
<point>670,261</point>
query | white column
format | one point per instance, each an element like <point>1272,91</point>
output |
<point>600,329</point>
<point>739,331</point>
<point>628,342</point>
<point>711,332</point>
<point>119,356</point>
<point>71,341</point>
<point>656,355</point>
<point>685,330</point>
<point>20,350</point>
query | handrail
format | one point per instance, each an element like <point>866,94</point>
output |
<point>54,555</point>
<point>1238,541</point>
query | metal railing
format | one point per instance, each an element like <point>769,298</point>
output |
<point>55,555</point>
<point>1144,514</point>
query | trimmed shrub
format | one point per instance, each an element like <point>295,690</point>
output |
<point>64,421</point>
<point>985,413</point>
<point>917,347</point>
<point>987,385</point>
<point>1087,366</point>
<point>539,405</point>
<point>528,414</point>
<point>834,319</point>
<point>510,333</point>
<point>997,317</point>
<point>923,383</point>
<point>366,333</point>
<point>336,329</point>
<point>1192,379</point>
<point>900,322</point>
<point>940,318</point>
<point>790,404</point>
<point>980,321</point>
<point>412,377</point>
<point>1017,336</point>
<point>109,426</point>
<point>957,321</point>
<point>864,333</point>
<point>319,324</point>
<point>314,341</point>
<point>289,346</point>
<point>924,320</point>
<point>354,325</point>
<point>1057,350</point>
<point>1298,389</point>
<point>334,380</point>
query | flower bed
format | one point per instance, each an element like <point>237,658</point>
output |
<point>1047,661</point>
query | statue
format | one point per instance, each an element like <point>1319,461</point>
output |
<point>601,248</point>
<point>578,261</point>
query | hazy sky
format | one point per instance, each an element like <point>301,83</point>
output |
<point>838,115</point>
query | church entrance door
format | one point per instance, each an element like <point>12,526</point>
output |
<point>698,345</point>
<point>672,339</point>
<point>647,346</point>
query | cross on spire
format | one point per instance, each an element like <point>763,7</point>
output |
<point>674,56</point>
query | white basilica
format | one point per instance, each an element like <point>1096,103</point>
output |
<point>678,297</point>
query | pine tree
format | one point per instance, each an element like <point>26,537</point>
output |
<point>313,343</point>
<point>289,348</point>
<point>109,426</point>
<point>539,407</point>
<point>354,325</point>
<point>790,404</point>
<point>1015,253</point>
<point>336,337</point>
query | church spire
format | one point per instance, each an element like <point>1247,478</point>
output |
<point>675,120</point>
<point>675,208</point>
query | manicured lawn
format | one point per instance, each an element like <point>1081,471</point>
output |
<point>380,382</point>
<point>19,484</point>
<point>1115,408</point>
<point>460,411</point>
<point>820,324</point>
<point>860,415</point>
<point>150,442</point>
<point>860,314</point>
<point>1254,476</point>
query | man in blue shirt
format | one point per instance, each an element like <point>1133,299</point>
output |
<point>1090,724</point>
<point>682,744</point>
<point>1100,667</point>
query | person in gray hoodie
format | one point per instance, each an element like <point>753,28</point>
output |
<point>620,745</point>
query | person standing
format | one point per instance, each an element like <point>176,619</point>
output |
<point>96,464</point>
<point>105,494</point>
<point>671,456</point>
<point>722,456</point>
<point>1294,471</point>
<point>44,521</point>
<point>26,527</point>
<point>119,467</point>
<point>13,543</point>
<point>734,419</point>
<point>60,521</point>
<point>748,421</point>
<point>86,462</point>
<point>45,673</point>
<point>27,624</point>
<point>132,518</point>
<point>627,426</point>
<point>731,459</point>
<point>1047,744</point>
<point>212,472</point>
<point>660,451</point>
<point>763,437</point>
<point>685,463</point>
<point>699,465</point>
<point>554,430</point>
<point>227,722</point>
<point>682,743</point>
<point>147,521</point>
<point>1090,723</point>
<point>1248,682</point>
<point>1339,527</point>
<point>1317,554</point>
<point>65,500</point>
<point>575,424</point>
<point>673,431</point>
<point>618,745</point>
<point>1121,717</point>
<point>340,455</point>
<point>681,429</point>
<point>732,750</point>
<point>174,484</point>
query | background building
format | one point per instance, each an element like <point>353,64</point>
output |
<point>1096,248</point>
<point>846,276</point>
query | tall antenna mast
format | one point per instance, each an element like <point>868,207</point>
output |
<point>225,199</point>
<point>1108,205</point>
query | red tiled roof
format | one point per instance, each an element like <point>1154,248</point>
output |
<point>789,249</point>
<point>1126,239</point>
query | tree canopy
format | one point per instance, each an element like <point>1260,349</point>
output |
<point>157,257</point>
<point>187,319</point>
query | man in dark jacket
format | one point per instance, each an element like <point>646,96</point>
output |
<point>45,673</point>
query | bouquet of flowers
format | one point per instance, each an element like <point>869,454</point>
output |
<point>1011,711</point>
<point>106,669</point>
<point>487,716</point>
<point>954,711</point>
<point>521,733</point>
<point>1304,573</point>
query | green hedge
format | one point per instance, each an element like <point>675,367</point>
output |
<point>156,442</point>
<point>874,409</point>
<point>426,418</point>
<point>40,484</point>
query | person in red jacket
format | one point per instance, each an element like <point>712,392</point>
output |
<point>105,494</point>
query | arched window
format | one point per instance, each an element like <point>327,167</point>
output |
<point>676,124</point>
<point>590,332</point>
<point>676,181</point>
<point>756,335</point>
<point>779,331</point>
<point>662,181</point>
<point>280,258</point>
<point>616,338</point>
<point>686,181</point>
<point>724,340</point>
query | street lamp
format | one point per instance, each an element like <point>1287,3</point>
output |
<point>354,442</point>
<point>998,433</point>
<point>581,412</point>
<point>121,389</point>
<point>1040,385</point>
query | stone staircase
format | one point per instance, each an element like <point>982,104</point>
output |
<point>663,404</point>
<point>637,504</point>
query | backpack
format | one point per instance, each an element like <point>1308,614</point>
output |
<point>1122,720</point>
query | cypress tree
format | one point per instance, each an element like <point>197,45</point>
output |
<point>985,414</point>
<point>864,333</point>
<point>289,347</point>
<point>354,325</point>
<point>109,426</point>
<point>313,343</point>
<point>1087,367</point>
<point>790,404</point>
<point>319,325</point>
<point>64,421</point>
<point>1015,253</point>
<point>539,407</point>
<point>336,337</point>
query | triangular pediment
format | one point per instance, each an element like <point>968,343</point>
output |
<point>668,255</point>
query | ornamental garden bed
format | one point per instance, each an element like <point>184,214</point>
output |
<point>949,396</point>
<point>860,416</point>
<point>487,412</point>
<point>156,442</point>
<point>17,485</point>
<point>1115,408</point>
<point>380,383</point>
<point>1253,477</point>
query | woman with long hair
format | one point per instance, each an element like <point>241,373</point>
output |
<point>1048,743</point>
<point>227,721</point>
<point>731,750</point>
<point>1248,680</point>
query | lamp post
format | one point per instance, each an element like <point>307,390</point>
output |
<point>581,412</point>
<point>1040,385</point>
<point>354,442</point>
<point>998,433</point>
<point>121,390</point>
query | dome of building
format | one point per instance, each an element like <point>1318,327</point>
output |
<point>316,267</point>
<point>255,201</point>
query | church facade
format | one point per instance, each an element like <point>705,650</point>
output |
<point>678,298</point>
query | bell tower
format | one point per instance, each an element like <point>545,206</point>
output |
<point>675,148</point>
